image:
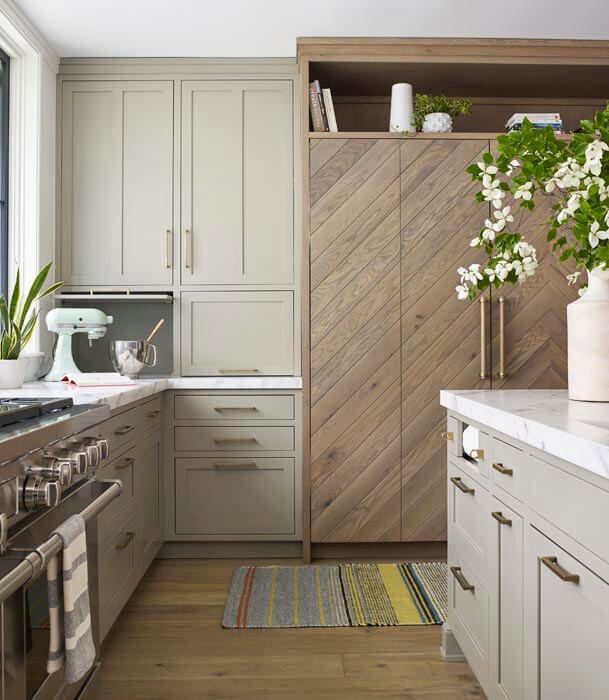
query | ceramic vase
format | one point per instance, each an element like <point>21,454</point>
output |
<point>437,123</point>
<point>402,108</point>
<point>588,340</point>
<point>12,373</point>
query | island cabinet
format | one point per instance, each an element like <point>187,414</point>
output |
<point>528,568</point>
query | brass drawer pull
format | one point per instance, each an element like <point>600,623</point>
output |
<point>448,436</point>
<point>498,467</point>
<point>124,430</point>
<point>234,441</point>
<point>125,541</point>
<point>555,568</point>
<point>153,414</point>
<point>235,408</point>
<point>127,463</point>
<point>461,486</point>
<point>501,519</point>
<point>239,371</point>
<point>235,465</point>
<point>476,454</point>
<point>463,582</point>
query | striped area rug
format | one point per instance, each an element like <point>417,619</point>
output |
<point>339,595</point>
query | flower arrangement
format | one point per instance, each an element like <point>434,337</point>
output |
<point>428,104</point>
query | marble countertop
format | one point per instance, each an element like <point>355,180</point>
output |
<point>118,396</point>
<point>575,431</point>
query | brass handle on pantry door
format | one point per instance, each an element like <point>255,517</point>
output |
<point>168,248</point>
<point>483,338</point>
<point>187,247</point>
<point>501,372</point>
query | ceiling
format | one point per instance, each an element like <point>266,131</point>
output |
<point>267,28</point>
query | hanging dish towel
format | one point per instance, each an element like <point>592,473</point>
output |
<point>71,638</point>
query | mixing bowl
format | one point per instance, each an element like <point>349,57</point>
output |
<point>129,357</point>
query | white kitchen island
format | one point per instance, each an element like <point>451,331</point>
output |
<point>529,542</point>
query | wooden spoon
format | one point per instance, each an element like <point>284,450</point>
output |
<point>155,330</point>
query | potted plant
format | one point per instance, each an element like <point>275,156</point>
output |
<point>434,113</point>
<point>18,318</point>
<point>533,163</point>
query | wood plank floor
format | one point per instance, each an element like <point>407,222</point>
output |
<point>169,644</point>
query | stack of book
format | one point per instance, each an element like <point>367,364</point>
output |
<point>539,120</point>
<point>322,108</point>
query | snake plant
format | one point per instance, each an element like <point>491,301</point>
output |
<point>18,315</point>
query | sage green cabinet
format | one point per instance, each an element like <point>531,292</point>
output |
<point>117,182</point>
<point>237,196</point>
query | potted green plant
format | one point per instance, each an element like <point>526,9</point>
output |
<point>435,113</point>
<point>18,317</point>
<point>530,164</point>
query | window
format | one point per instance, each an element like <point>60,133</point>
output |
<point>4,88</point>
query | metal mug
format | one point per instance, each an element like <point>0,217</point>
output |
<point>129,357</point>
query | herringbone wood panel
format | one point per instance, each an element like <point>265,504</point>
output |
<point>355,341</point>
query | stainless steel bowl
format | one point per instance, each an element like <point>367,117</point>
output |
<point>129,357</point>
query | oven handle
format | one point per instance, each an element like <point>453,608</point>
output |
<point>38,559</point>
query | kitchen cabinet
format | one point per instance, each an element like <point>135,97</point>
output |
<point>117,182</point>
<point>237,333</point>
<point>237,197</point>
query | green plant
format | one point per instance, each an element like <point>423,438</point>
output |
<point>427,104</point>
<point>17,315</point>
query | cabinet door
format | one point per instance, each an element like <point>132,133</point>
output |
<point>442,338</point>
<point>237,182</point>
<point>506,560</point>
<point>147,470</point>
<point>568,625</point>
<point>117,182</point>
<point>355,340</point>
<point>237,333</point>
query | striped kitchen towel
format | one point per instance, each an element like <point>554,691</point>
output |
<point>71,638</point>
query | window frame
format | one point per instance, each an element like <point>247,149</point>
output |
<point>4,171</point>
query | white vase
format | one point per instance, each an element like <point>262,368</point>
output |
<point>12,373</point>
<point>437,123</point>
<point>402,108</point>
<point>588,340</point>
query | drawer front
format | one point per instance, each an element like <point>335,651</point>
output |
<point>577,507</point>
<point>121,469</point>
<point>468,517</point>
<point>237,333</point>
<point>468,612</point>
<point>233,407</point>
<point>125,427</point>
<point>244,496</point>
<point>234,438</point>
<point>509,468</point>
<point>118,563</point>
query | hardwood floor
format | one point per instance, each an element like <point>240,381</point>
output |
<point>169,644</point>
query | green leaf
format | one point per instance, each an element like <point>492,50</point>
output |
<point>14,302</point>
<point>487,158</point>
<point>39,280</point>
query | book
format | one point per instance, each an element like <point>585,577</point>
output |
<point>320,99</point>
<point>96,379</point>
<point>534,117</point>
<point>315,107</point>
<point>329,105</point>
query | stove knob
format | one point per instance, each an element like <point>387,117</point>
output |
<point>77,458</point>
<point>52,468</point>
<point>92,451</point>
<point>102,446</point>
<point>39,492</point>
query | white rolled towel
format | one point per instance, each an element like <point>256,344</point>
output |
<point>471,441</point>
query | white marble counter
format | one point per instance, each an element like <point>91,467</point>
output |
<point>575,431</point>
<point>117,396</point>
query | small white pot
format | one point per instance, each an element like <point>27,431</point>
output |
<point>437,123</point>
<point>12,373</point>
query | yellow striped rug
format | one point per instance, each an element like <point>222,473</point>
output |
<point>339,595</point>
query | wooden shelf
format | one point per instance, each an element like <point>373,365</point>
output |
<point>391,135</point>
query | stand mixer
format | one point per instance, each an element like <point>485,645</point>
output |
<point>66,322</point>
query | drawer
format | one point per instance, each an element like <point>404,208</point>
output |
<point>237,333</point>
<point>122,469</point>
<point>118,563</point>
<point>468,612</point>
<point>509,468</point>
<point>576,507</point>
<point>125,427</point>
<point>234,438</point>
<point>233,407</point>
<point>468,517</point>
<point>245,496</point>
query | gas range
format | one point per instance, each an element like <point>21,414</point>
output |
<point>17,410</point>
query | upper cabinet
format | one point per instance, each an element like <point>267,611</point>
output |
<point>117,183</point>
<point>237,198</point>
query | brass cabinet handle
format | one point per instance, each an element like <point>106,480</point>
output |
<point>461,486</point>
<point>124,430</point>
<point>501,373</point>
<point>476,454</point>
<point>235,465</point>
<point>483,339</point>
<point>463,582</point>
<point>220,409</point>
<point>124,543</point>
<point>448,436</point>
<point>127,463</point>
<point>168,248</point>
<point>153,414</point>
<point>234,441</point>
<point>239,371</point>
<point>555,568</point>
<point>187,247</point>
<point>498,467</point>
<point>501,519</point>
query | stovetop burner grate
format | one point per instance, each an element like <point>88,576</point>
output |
<point>20,409</point>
